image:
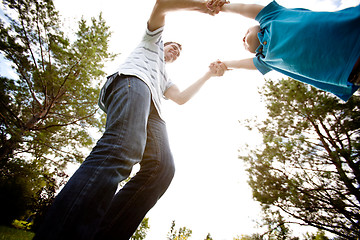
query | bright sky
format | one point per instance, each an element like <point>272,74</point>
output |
<point>209,193</point>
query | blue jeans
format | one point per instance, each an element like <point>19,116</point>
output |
<point>88,207</point>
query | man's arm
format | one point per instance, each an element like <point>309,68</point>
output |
<point>157,17</point>
<point>181,97</point>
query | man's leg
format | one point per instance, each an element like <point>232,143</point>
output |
<point>141,193</point>
<point>79,207</point>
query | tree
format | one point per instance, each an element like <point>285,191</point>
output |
<point>15,190</point>
<point>276,226</point>
<point>208,237</point>
<point>182,234</point>
<point>247,237</point>
<point>25,191</point>
<point>45,193</point>
<point>320,235</point>
<point>142,230</point>
<point>308,164</point>
<point>47,110</point>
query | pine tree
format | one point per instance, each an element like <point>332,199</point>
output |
<point>48,103</point>
<point>309,163</point>
<point>49,107</point>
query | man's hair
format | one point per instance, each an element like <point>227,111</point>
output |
<point>168,43</point>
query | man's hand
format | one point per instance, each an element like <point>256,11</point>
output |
<point>162,7</point>
<point>215,5</point>
<point>217,68</point>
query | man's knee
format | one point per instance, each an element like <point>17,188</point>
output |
<point>167,173</point>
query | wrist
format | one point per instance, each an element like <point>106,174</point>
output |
<point>208,75</point>
<point>227,64</point>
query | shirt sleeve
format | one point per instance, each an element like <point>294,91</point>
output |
<point>153,36</point>
<point>269,12</point>
<point>167,84</point>
<point>261,65</point>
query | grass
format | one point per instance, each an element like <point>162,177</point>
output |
<point>9,233</point>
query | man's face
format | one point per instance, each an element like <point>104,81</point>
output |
<point>171,52</point>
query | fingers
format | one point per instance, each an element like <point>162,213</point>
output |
<point>223,66</point>
<point>217,68</point>
<point>215,5</point>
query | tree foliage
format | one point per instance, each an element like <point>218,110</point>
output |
<point>182,234</point>
<point>254,236</point>
<point>48,108</point>
<point>48,102</point>
<point>308,164</point>
<point>208,237</point>
<point>142,230</point>
<point>320,235</point>
<point>25,191</point>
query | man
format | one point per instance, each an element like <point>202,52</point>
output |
<point>87,207</point>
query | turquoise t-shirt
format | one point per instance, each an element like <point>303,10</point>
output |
<point>318,48</point>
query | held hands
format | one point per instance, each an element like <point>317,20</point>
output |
<point>215,5</point>
<point>217,68</point>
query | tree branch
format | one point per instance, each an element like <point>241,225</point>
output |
<point>66,124</point>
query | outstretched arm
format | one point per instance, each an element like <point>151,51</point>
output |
<point>246,10</point>
<point>181,97</point>
<point>247,63</point>
<point>162,7</point>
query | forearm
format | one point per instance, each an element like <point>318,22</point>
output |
<point>182,97</point>
<point>162,7</point>
<point>240,64</point>
<point>189,5</point>
<point>246,10</point>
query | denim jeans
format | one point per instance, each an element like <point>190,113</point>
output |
<point>88,207</point>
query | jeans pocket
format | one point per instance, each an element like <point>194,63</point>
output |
<point>109,88</point>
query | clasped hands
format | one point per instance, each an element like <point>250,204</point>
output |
<point>215,5</point>
<point>217,68</point>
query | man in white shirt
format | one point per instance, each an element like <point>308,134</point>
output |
<point>88,207</point>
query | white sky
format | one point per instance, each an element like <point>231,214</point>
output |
<point>209,193</point>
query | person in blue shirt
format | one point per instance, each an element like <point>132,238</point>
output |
<point>317,48</point>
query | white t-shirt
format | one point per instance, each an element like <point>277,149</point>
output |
<point>148,64</point>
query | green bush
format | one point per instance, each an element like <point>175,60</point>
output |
<point>8,233</point>
<point>20,224</point>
